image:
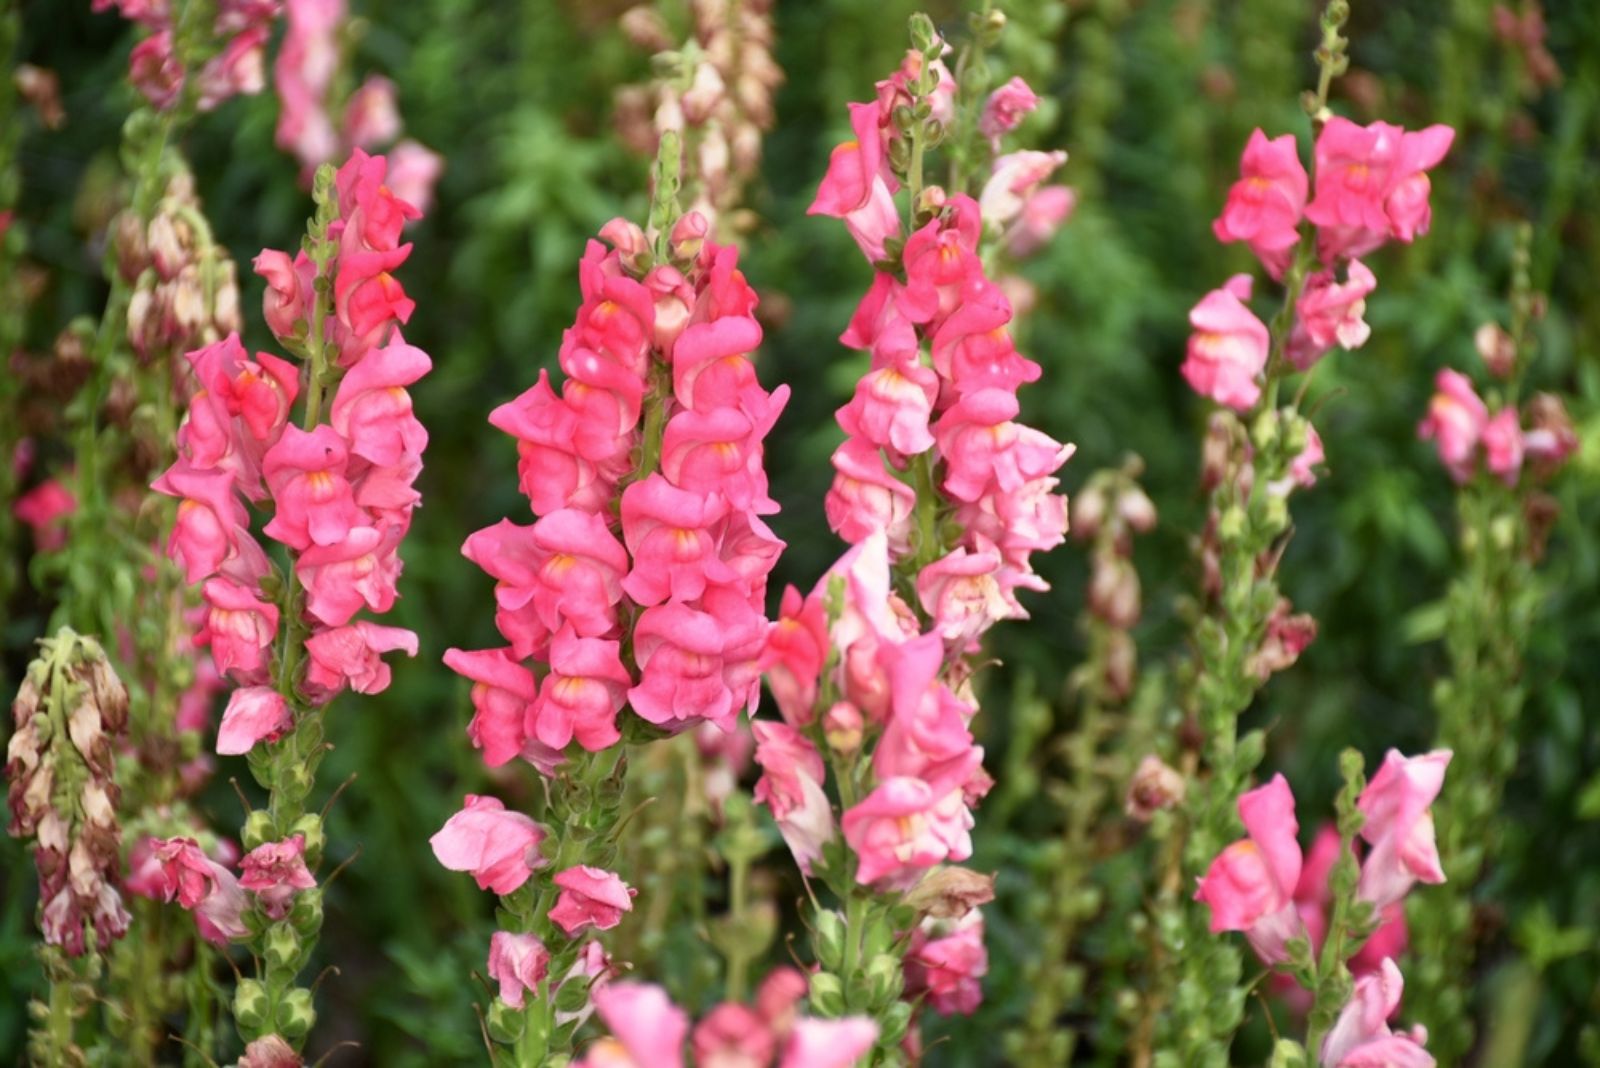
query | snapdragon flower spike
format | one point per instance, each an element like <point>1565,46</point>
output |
<point>678,549</point>
<point>238,66</point>
<point>1399,826</point>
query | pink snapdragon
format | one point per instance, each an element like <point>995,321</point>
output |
<point>1265,205</point>
<point>1455,423</point>
<point>905,826</point>
<point>791,787</point>
<point>1250,885</point>
<point>1361,1037</point>
<point>519,963</point>
<point>254,714</point>
<point>590,897</point>
<point>275,872</point>
<point>204,887</point>
<point>1228,348</point>
<point>1399,826</point>
<point>1005,109</point>
<point>947,961</point>
<point>1503,445</point>
<point>45,510</point>
<point>500,848</point>
<point>1372,185</point>
<point>1329,313</point>
<point>237,67</point>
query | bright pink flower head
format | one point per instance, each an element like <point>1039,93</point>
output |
<point>578,580</point>
<point>616,319</point>
<point>275,872</point>
<point>590,897</point>
<point>155,70</point>
<point>985,449</point>
<point>719,451</point>
<point>1250,885</point>
<point>351,655</point>
<point>644,1022</point>
<point>239,410</point>
<point>1228,347</point>
<point>1399,826</point>
<point>503,692</point>
<point>940,260</point>
<point>372,409</point>
<point>797,647</point>
<point>1005,108</point>
<point>962,592</point>
<point>254,714</point>
<point>499,848</point>
<point>974,349</point>
<point>373,214</point>
<point>866,498</point>
<point>891,407</point>
<point>1265,204</point>
<point>854,167</point>
<point>817,1043</point>
<point>904,827</point>
<point>1329,313</point>
<point>361,570</point>
<point>581,696</point>
<point>306,473</point>
<point>679,651</point>
<point>711,363</point>
<point>1455,422</point>
<point>948,961</point>
<point>288,286</point>
<point>553,472</point>
<point>204,887</point>
<point>240,628</point>
<point>672,535</point>
<point>733,1036</point>
<point>519,963</point>
<point>1361,1037</point>
<point>45,509</point>
<point>209,520</point>
<point>791,787</point>
<point>1503,445</point>
<point>1371,185</point>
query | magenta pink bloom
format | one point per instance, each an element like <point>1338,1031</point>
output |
<point>733,1036</point>
<point>791,787</point>
<point>940,260</point>
<point>254,714</point>
<point>499,848</point>
<point>590,897</point>
<point>1371,185</point>
<point>503,693</point>
<point>858,187</point>
<point>1265,204</point>
<point>1329,313</point>
<point>1456,420</point>
<point>275,872</point>
<point>679,651</point>
<point>209,522</point>
<point>1361,1037</point>
<point>1005,108</point>
<point>947,962</point>
<point>1228,348</point>
<point>985,449</point>
<point>577,579</point>
<point>711,365</point>
<point>351,655</point>
<point>818,1043</point>
<point>204,887</point>
<point>1313,896</point>
<point>1250,885</point>
<point>519,963</point>
<point>797,647</point>
<point>904,827</point>
<point>644,1021</point>
<point>891,407</point>
<point>719,451</point>
<point>372,409</point>
<point>240,628</point>
<point>1503,445</point>
<point>866,498</point>
<point>672,535</point>
<point>1399,826</point>
<point>45,509</point>
<point>238,412</point>
<point>359,571</point>
<point>581,696</point>
<point>305,472</point>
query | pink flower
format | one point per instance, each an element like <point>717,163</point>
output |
<point>791,787</point>
<point>240,628</point>
<point>905,826</point>
<point>238,412</point>
<point>645,1022</point>
<point>891,407</point>
<point>940,260</point>
<point>672,535</point>
<point>305,472</point>
<point>679,651</point>
<point>519,963</point>
<point>1044,212</point>
<point>1503,445</point>
<point>209,522</point>
<point>719,451</point>
<point>733,1036</point>
<point>553,470</point>
<point>711,364</point>
<point>288,283</point>
<point>372,410</point>
<point>984,448</point>
<point>1456,421</point>
<point>371,117</point>
<point>155,70</point>
<point>1228,347</point>
<point>947,961</point>
<point>865,498</point>
<point>202,886</point>
<point>1313,896</point>
<point>1371,185</point>
<point>414,170</point>
<point>962,592</point>
<point>590,897</point>
<point>44,509</point>
<point>499,848</point>
<point>503,693</point>
<point>1014,180</point>
<point>1005,108</point>
<point>578,578</point>
<point>1302,469</point>
<point>1330,313</point>
<point>274,872</point>
<point>1265,204</point>
<point>350,655</point>
<point>1250,885</point>
<point>1361,1037</point>
<point>817,1043</point>
<point>254,714</point>
<point>581,696</point>
<point>797,647</point>
<point>359,571</point>
<point>858,187</point>
<point>1399,826</point>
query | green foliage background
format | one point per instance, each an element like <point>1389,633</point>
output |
<point>1154,101</point>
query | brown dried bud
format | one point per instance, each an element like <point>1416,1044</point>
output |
<point>1114,590</point>
<point>188,304</point>
<point>109,693</point>
<point>1540,511</point>
<point>1217,452</point>
<point>705,92</point>
<point>42,90</point>
<point>122,399</point>
<point>1121,666</point>
<point>171,244</point>
<point>1155,786</point>
<point>69,363</point>
<point>1498,351</point>
<point>949,893</point>
<point>1137,510</point>
<point>631,115</point>
<point>1550,438</point>
<point>144,322</point>
<point>225,302</point>
<point>645,27</point>
<point>127,238</point>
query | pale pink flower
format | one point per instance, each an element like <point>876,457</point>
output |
<point>644,1022</point>
<point>371,115</point>
<point>414,170</point>
<point>1006,108</point>
<point>204,887</point>
<point>1330,313</point>
<point>791,788</point>
<point>519,963</point>
<point>904,827</point>
<point>866,498</point>
<point>1399,826</point>
<point>818,1043</point>
<point>1503,445</point>
<point>1250,885</point>
<point>254,714</point>
<point>1361,1037</point>
<point>1015,179</point>
<point>1455,422</point>
<point>500,848</point>
<point>1228,346</point>
<point>891,407</point>
<point>1371,185</point>
<point>797,647</point>
<point>590,897</point>
<point>679,651</point>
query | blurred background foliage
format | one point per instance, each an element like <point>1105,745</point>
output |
<point>1154,100</point>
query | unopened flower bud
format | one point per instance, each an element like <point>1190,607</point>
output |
<point>42,90</point>
<point>1137,510</point>
<point>309,827</point>
<point>69,363</point>
<point>827,994</point>
<point>258,828</point>
<point>250,1005</point>
<point>505,1023</point>
<point>127,237</point>
<point>1121,665</point>
<point>705,92</point>
<point>1155,786</point>
<point>296,1016</point>
<point>1088,510</point>
<point>828,940</point>
<point>282,946</point>
<point>688,235</point>
<point>884,979</point>
<point>225,318</point>
<point>1113,593</point>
